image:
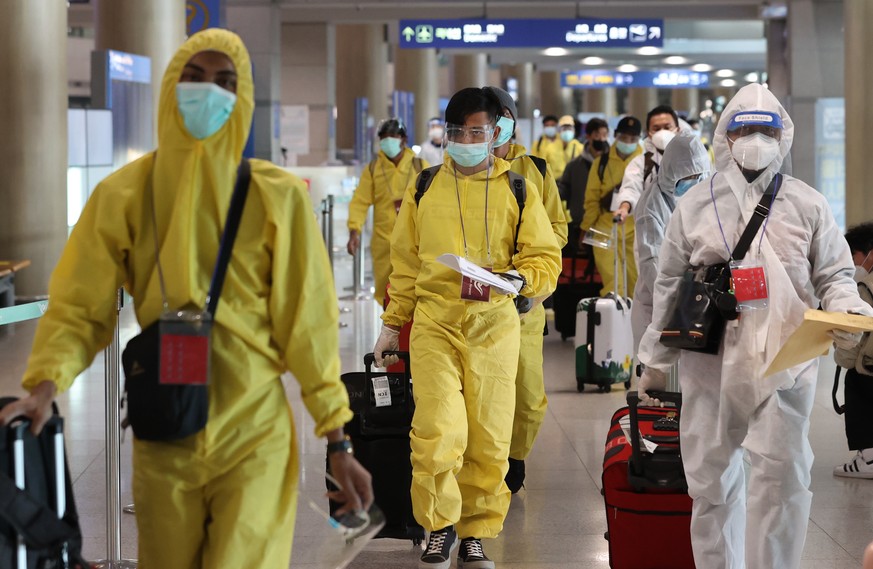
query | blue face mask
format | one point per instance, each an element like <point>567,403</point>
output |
<point>625,147</point>
<point>682,186</point>
<point>567,135</point>
<point>204,107</point>
<point>550,131</point>
<point>390,146</point>
<point>507,127</point>
<point>467,155</point>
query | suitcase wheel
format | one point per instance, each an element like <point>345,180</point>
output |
<point>417,542</point>
<point>580,386</point>
<point>564,337</point>
<point>627,384</point>
<point>605,388</point>
<point>606,536</point>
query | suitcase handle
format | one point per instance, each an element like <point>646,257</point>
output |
<point>370,361</point>
<point>635,466</point>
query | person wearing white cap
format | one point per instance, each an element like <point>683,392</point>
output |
<point>572,147</point>
<point>729,404</point>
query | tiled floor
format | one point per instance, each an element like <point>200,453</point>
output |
<point>557,521</point>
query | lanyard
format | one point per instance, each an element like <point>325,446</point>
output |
<point>721,229</point>
<point>461,213</point>
<point>389,184</point>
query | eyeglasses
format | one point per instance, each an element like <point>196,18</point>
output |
<point>457,133</point>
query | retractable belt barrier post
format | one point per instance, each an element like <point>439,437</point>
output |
<point>327,226</point>
<point>358,288</point>
<point>112,359</point>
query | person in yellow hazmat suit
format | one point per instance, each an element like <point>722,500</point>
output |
<point>226,496</point>
<point>383,184</point>
<point>572,147</point>
<point>465,342</point>
<point>549,145</point>
<point>603,181</point>
<point>530,391</point>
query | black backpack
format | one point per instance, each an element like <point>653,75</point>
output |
<point>516,182</point>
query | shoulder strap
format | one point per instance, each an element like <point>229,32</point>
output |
<point>539,163</point>
<point>762,210</point>
<point>649,164</point>
<point>840,409</point>
<point>234,214</point>
<point>424,180</point>
<point>601,168</point>
<point>519,188</point>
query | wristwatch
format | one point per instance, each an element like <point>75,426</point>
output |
<point>342,446</point>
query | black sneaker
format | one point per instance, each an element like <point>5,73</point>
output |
<point>515,475</point>
<point>471,555</point>
<point>438,554</point>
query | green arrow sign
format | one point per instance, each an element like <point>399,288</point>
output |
<point>408,33</point>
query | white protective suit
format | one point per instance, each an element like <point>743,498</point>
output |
<point>635,182</point>
<point>685,156</point>
<point>728,404</point>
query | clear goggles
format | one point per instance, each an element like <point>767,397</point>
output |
<point>469,134</point>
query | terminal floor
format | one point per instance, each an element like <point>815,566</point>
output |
<point>556,522</point>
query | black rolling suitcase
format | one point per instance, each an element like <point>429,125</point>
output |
<point>39,526</point>
<point>380,437</point>
<point>578,279</point>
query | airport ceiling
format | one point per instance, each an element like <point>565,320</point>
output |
<point>721,34</point>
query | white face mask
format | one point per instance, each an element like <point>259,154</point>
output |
<point>662,138</point>
<point>755,151</point>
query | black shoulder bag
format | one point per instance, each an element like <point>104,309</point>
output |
<point>705,300</point>
<point>161,411</point>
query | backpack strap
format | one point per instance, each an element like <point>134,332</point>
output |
<point>372,166</point>
<point>601,168</point>
<point>649,165</point>
<point>540,163</point>
<point>519,189</point>
<point>425,177</point>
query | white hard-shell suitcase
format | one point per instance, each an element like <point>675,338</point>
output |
<point>604,336</point>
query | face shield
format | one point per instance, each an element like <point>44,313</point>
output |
<point>754,138</point>
<point>469,145</point>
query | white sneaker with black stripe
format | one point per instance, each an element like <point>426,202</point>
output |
<point>855,468</point>
<point>438,553</point>
<point>472,556</point>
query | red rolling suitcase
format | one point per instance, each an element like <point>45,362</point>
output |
<point>648,510</point>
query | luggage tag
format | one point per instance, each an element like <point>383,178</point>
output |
<point>750,285</point>
<point>185,340</point>
<point>474,290</point>
<point>382,391</point>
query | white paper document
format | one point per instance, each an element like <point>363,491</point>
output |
<point>477,273</point>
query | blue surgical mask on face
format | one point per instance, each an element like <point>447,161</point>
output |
<point>390,146</point>
<point>204,107</point>
<point>626,147</point>
<point>567,135</point>
<point>550,131</point>
<point>507,127</point>
<point>682,186</point>
<point>467,155</point>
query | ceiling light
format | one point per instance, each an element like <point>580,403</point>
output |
<point>701,67</point>
<point>725,73</point>
<point>555,51</point>
<point>627,68</point>
<point>593,60</point>
<point>728,83</point>
<point>751,77</point>
<point>675,60</point>
<point>649,50</point>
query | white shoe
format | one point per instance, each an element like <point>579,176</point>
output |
<point>855,468</point>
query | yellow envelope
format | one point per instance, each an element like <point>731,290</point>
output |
<point>811,339</point>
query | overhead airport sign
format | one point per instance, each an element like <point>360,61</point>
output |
<point>600,79</point>
<point>531,33</point>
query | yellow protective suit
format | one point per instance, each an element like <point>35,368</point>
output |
<point>382,186</point>
<point>226,496</point>
<point>552,151</point>
<point>600,218</point>
<point>464,354</point>
<point>530,391</point>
